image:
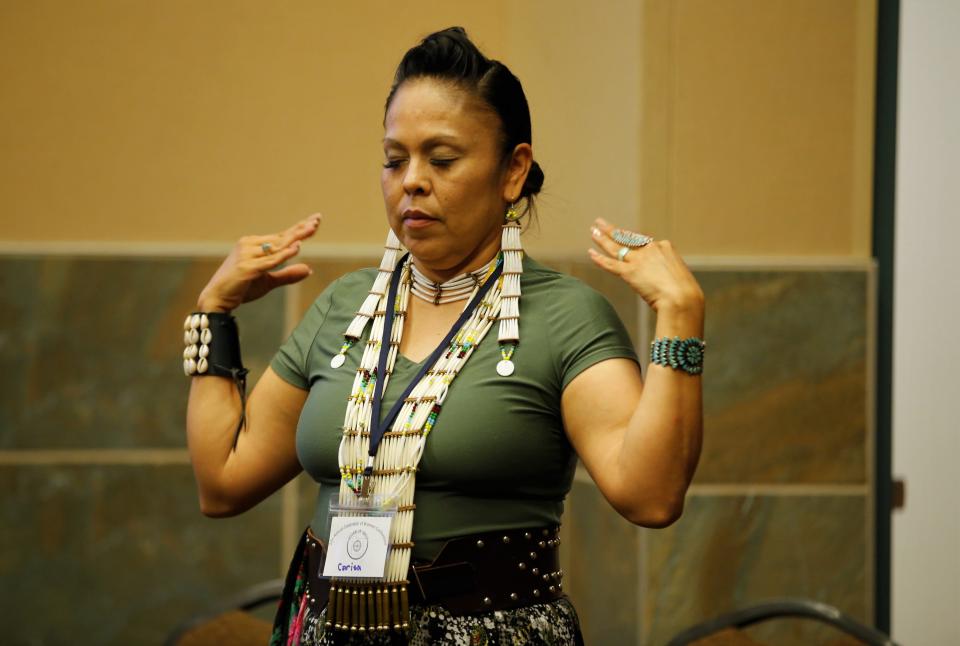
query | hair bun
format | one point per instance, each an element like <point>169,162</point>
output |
<point>534,181</point>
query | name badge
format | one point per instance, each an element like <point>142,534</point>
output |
<point>359,539</point>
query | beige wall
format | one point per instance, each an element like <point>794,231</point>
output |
<point>201,121</point>
<point>189,121</point>
<point>186,122</point>
<point>757,125</point>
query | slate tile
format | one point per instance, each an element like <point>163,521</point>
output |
<point>120,554</point>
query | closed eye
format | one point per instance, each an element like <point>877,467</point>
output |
<point>393,163</point>
<point>443,161</point>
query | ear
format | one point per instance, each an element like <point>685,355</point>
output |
<point>516,172</point>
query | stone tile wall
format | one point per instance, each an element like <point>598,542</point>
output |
<point>102,537</point>
<point>781,503</point>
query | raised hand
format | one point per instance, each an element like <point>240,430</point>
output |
<point>655,271</point>
<point>250,271</point>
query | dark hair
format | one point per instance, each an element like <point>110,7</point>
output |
<point>449,55</point>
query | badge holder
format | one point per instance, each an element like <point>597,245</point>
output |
<point>360,599</point>
<point>359,540</point>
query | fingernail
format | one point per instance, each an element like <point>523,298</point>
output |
<point>596,232</point>
<point>592,252</point>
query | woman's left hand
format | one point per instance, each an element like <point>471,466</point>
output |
<point>655,271</point>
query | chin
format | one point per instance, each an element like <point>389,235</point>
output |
<point>426,250</point>
<point>420,244</point>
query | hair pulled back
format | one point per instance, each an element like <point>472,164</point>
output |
<point>449,55</point>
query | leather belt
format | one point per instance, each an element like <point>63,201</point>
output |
<point>471,574</point>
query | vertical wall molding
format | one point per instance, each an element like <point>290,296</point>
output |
<point>884,199</point>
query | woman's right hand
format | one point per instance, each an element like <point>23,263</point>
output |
<point>247,273</point>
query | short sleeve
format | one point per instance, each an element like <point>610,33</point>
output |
<point>585,330</point>
<point>291,362</point>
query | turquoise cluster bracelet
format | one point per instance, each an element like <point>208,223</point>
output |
<point>679,354</point>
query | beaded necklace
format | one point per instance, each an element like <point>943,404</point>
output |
<point>391,473</point>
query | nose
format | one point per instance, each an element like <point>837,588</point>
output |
<point>415,180</point>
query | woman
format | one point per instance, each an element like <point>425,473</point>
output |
<point>473,513</point>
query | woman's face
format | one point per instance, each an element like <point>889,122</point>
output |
<point>445,187</point>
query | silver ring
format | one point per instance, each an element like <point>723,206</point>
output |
<point>266,248</point>
<point>630,239</point>
<point>622,254</point>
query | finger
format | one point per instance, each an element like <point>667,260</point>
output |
<point>261,246</point>
<point>300,231</point>
<point>609,232</point>
<point>604,226</point>
<point>611,265</point>
<point>289,275</point>
<point>269,244</point>
<point>270,261</point>
<point>602,239</point>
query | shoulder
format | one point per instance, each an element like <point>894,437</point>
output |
<point>578,324</point>
<point>360,279</point>
<point>559,293</point>
<point>345,289</point>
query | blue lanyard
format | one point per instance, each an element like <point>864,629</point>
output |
<point>378,427</point>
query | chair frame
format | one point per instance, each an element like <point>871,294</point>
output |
<point>774,608</point>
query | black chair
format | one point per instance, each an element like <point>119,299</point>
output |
<point>776,608</point>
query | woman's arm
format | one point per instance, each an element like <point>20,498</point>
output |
<point>641,442</point>
<point>231,479</point>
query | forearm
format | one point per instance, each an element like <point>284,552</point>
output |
<point>661,444</point>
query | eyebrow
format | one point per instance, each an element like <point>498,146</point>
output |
<point>430,142</point>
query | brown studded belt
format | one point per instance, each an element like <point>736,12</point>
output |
<point>471,574</point>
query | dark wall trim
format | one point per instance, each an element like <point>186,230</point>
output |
<point>884,194</point>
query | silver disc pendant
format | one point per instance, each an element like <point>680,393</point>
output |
<point>337,360</point>
<point>505,368</point>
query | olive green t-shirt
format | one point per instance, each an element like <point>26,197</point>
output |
<point>498,456</point>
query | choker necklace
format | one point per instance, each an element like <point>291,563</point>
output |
<point>457,288</point>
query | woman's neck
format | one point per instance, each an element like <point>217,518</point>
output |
<point>480,257</point>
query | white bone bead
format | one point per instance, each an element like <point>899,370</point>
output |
<point>206,336</point>
<point>369,305</point>
<point>511,286</point>
<point>382,282</point>
<point>388,261</point>
<point>512,262</point>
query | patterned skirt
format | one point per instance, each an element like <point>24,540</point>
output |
<point>552,623</point>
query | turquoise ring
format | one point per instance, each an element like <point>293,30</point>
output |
<point>630,239</point>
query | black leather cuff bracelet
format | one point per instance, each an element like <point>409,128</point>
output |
<point>212,343</point>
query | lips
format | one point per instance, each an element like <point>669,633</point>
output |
<point>416,218</point>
